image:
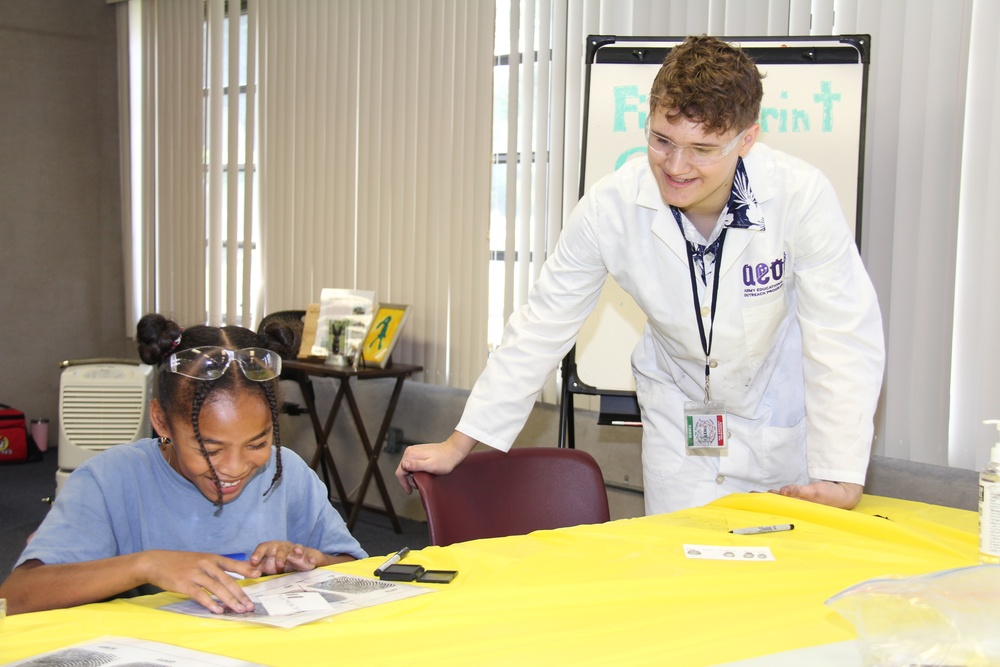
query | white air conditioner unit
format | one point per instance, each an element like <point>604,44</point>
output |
<point>102,403</point>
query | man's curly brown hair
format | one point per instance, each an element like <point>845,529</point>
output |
<point>708,81</point>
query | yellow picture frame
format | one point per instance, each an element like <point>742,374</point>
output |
<point>384,333</point>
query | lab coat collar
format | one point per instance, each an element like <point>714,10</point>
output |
<point>750,187</point>
<point>756,184</point>
<point>742,210</point>
<point>663,226</point>
<point>758,173</point>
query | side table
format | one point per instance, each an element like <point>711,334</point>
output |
<point>323,456</point>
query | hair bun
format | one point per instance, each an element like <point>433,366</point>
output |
<point>156,337</point>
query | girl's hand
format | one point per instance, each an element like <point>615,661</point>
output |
<point>276,557</point>
<point>201,576</point>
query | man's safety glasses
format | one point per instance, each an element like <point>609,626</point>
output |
<point>210,363</point>
<point>699,156</point>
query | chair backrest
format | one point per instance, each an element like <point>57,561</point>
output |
<point>293,320</point>
<point>290,318</point>
<point>923,482</point>
<point>493,494</point>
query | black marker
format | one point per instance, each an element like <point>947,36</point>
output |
<point>393,559</point>
<point>756,530</point>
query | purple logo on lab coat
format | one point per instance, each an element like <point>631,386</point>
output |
<point>764,277</point>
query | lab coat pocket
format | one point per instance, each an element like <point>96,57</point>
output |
<point>662,433</point>
<point>783,458</point>
<point>761,325</point>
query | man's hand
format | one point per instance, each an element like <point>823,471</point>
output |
<point>438,458</point>
<point>844,495</point>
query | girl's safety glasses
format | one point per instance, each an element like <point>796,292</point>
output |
<point>210,363</point>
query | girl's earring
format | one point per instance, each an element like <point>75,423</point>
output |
<point>165,442</point>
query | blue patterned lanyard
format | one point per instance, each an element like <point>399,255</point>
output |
<point>706,341</point>
<point>741,212</point>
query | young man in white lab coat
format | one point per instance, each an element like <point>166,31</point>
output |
<point>761,363</point>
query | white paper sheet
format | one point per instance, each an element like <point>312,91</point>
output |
<point>111,651</point>
<point>342,593</point>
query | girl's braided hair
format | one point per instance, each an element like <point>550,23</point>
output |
<point>159,337</point>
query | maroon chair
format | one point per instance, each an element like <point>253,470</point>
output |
<point>493,494</point>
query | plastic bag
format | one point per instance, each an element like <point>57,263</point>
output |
<point>943,618</point>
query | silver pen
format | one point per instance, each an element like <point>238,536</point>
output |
<point>393,559</point>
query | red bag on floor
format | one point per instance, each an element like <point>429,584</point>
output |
<point>16,444</point>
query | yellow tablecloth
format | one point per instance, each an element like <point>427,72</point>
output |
<point>617,593</point>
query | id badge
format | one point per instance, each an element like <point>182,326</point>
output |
<point>705,423</point>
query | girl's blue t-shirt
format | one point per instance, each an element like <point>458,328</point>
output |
<point>128,499</point>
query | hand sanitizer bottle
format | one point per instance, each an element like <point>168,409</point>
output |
<point>989,505</point>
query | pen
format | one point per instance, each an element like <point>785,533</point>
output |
<point>756,530</point>
<point>235,575</point>
<point>393,559</point>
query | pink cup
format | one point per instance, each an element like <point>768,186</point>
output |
<point>40,432</point>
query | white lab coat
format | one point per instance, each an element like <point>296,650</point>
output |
<point>797,337</point>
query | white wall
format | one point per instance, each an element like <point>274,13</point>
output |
<point>61,288</point>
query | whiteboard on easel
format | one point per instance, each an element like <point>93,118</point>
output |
<point>813,108</point>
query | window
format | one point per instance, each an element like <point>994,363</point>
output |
<point>518,238</point>
<point>233,168</point>
<point>190,147</point>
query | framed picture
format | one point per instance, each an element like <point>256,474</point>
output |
<point>342,324</point>
<point>384,333</point>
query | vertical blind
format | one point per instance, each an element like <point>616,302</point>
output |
<point>359,129</point>
<point>182,218</point>
<point>375,144</point>
<point>927,238</point>
<point>975,372</point>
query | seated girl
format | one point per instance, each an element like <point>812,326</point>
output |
<point>164,512</point>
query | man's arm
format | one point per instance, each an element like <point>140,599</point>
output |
<point>843,352</point>
<point>844,495</point>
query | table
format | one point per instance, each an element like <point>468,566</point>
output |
<point>323,457</point>
<point>614,593</point>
